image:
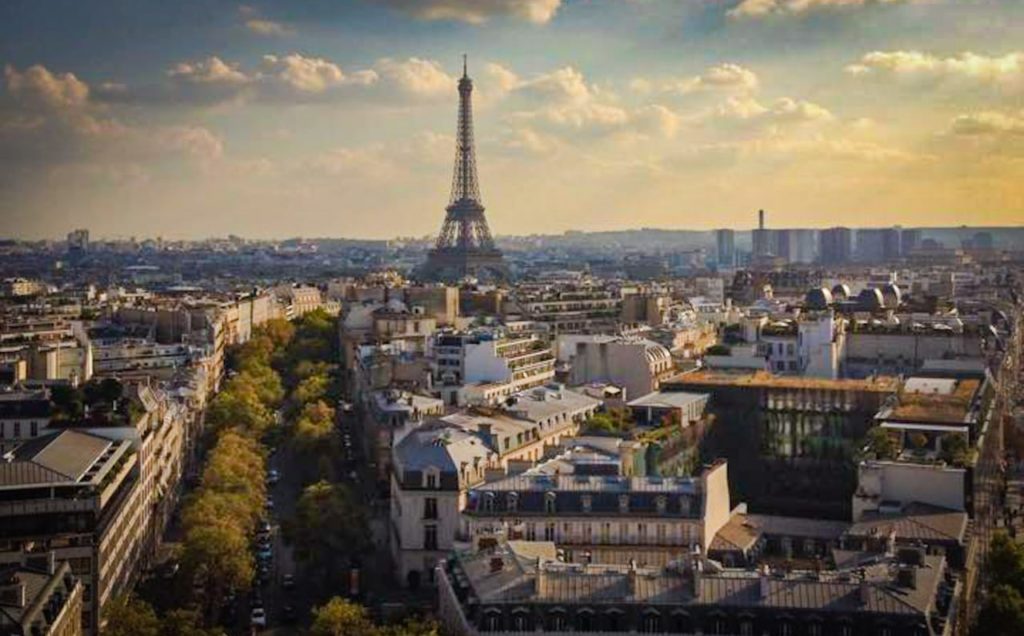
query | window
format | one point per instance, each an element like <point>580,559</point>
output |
<point>492,621</point>
<point>512,501</point>
<point>746,627</point>
<point>641,532</point>
<point>651,623</point>
<point>606,533</point>
<point>556,621</point>
<point>34,428</point>
<point>431,480</point>
<point>814,629</point>
<point>549,503</point>
<point>585,621</point>
<point>662,504</point>
<point>429,537</point>
<point>531,532</point>
<point>488,502</point>
<point>623,503</point>
<point>17,429</point>
<point>430,508</point>
<point>521,620</point>
<point>587,501</point>
<point>549,532</point>
<point>660,530</point>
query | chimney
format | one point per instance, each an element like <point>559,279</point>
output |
<point>760,219</point>
<point>14,594</point>
<point>907,577</point>
<point>763,579</point>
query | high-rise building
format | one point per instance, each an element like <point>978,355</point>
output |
<point>464,246</point>
<point>834,245</point>
<point>910,240</point>
<point>78,241</point>
<point>803,246</point>
<point>726,243</point>
<point>876,245</point>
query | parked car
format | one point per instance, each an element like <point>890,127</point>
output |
<point>258,618</point>
<point>273,476</point>
<point>288,581</point>
<point>269,504</point>
<point>264,526</point>
<point>264,553</point>
<point>289,614</point>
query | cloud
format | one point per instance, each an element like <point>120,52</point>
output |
<point>309,75</point>
<point>916,64</point>
<point>262,26</point>
<point>212,70</point>
<point>415,76</point>
<point>723,77</point>
<point>988,124</point>
<point>62,124</point>
<point>766,8</point>
<point>477,11</point>
<point>784,110</point>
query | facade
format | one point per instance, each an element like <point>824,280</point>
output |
<point>487,367</point>
<point>39,596</point>
<point>78,495</point>
<point>602,514</point>
<point>878,245</point>
<point>636,364</point>
<point>567,310</point>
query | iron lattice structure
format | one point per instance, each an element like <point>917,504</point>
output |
<point>464,246</point>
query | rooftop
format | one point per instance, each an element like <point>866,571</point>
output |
<point>763,379</point>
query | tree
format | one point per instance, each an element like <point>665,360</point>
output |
<point>1005,562</point>
<point>329,527</point>
<point>881,443</point>
<point>918,440</point>
<point>340,617</point>
<point>310,389</point>
<point>954,449</point>
<point>183,622</point>
<point>718,350</point>
<point>413,627</point>
<point>220,555</point>
<point>1002,614</point>
<point>130,616</point>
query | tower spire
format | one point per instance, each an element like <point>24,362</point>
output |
<point>465,66</point>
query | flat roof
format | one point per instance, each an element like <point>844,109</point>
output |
<point>764,379</point>
<point>668,399</point>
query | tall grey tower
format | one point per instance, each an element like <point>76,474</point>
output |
<point>464,246</point>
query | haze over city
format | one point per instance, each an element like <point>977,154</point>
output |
<point>275,119</point>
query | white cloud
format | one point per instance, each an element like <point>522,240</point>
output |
<point>989,124</point>
<point>723,77</point>
<point>212,70</point>
<point>38,87</point>
<point>262,26</point>
<point>478,11</point>
<point>916,64</point>
<point>415,76</point>
<point>765,8</point>
<point>782,111</point>
<point>310,75</point>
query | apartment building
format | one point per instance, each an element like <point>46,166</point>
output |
<point>39,596</point>
<point>636,364</point>
<point>486,367</point>
<point>567,309</point>
<point>77,495</point>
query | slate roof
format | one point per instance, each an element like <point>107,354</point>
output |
<point>917,522</point>
<point>516,582</point>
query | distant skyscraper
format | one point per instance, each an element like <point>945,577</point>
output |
<point>465,247</point>
<point>803,246</point>
<point>876,245</point>
<point>726,242</point>
<point>782,241</point>
<point>78,241</point>
<point>834,245</point>
<point>910,240</point>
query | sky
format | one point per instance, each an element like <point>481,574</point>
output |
<point>336,118</point>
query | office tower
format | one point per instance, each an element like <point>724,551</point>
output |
<point>762,239</point>
<point>834,245</point>
<point>726,242</point>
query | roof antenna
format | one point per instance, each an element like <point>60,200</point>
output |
<point>465,71</point>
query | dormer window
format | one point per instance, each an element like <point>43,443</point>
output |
<point>431,479</point>
<point>512,501</point>
<point>489,502</point>
<point>549,503</point>
<point>684,505</point>
<point>623,503</point>
<point>587,501</point>
<point>661,503</point>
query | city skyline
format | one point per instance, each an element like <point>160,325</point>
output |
<point>336,120</point>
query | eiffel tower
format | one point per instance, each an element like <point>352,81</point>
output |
<point>465,247</point>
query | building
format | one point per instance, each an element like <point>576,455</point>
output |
<point>24,415</point>
<point>725,241</point>
<point>78,494</point>
<point>762,240</point>
<point>39,596</point>
<point>521,587</point>
<point>835,246</point>
<point>878,245</point>
<point>790,441</point>
<point>910,240</point>
<point>567,309</point>
<point>596,517</point>
<point>435,465</point>
<point>78,241</point>
<point>485,367</point>
<point>638,365</point>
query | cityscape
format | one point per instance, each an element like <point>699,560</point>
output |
<point>511,395</point>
